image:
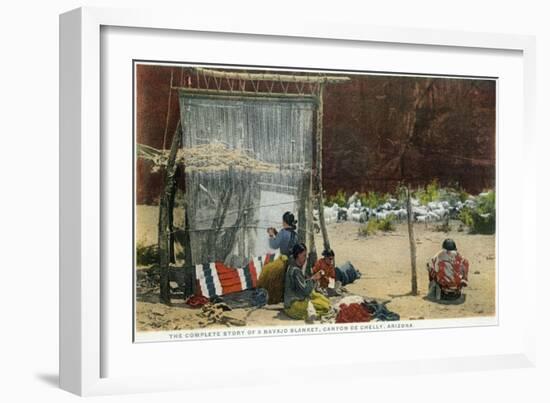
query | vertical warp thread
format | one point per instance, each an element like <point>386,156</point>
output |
<point>273,131</point>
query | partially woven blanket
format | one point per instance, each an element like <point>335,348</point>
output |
<point>216,279</point>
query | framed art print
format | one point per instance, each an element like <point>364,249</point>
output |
<point>261,191</point>
<point>250,145</point>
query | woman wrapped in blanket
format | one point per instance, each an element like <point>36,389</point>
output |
<point>448,273</point>
<point>286,238</point>
<point>300,298</point>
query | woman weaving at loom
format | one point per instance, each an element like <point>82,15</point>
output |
<point>286,238</point>
<point>300,298</point>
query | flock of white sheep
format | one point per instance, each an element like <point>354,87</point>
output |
<point>431,212</point>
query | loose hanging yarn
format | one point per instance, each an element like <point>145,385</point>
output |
<point>353,313</point>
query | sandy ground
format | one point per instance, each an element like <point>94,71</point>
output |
<point>147,221</point>
<point>384,261</point>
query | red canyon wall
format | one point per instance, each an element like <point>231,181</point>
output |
<point>378,130</point>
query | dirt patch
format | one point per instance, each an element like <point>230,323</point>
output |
<point>384,261</point>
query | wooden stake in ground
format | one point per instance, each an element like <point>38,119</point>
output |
<point>412,243</point>
<point>312,255</point>
<point>319,169</point>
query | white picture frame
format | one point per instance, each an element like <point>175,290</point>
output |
<point>83,340</point>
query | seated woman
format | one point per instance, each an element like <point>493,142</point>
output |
<point>272,279</point>
<point>301,300</point>
<point>286,238</point>
<point>448,273</point>
<point>325,267</point>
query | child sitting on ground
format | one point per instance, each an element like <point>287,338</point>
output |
<point>327,272</point>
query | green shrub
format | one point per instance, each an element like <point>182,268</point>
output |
<point>367,229</point>
<point>387,224</point>
<point>481,219</point>
<point>487,203</point>
<point>429,193</point>
<point>373,199</point>
<point>454,193</point>
<point>463,195</point>
<point>483,224</point>
<point>340,198</point>
<point>147,255</point>
<point>465,216</point>
<point>373,226</point>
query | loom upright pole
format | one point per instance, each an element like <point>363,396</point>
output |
<point>319,169</point>
<point>165,212</point>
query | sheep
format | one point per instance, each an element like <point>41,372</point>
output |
<point>360,214</point>
<point>434,206</point>
<point>437,210</point>
<point>381,215</point>
<point>342,214</point>
<point>401,214</point>
<point>432,216</point>
<point>421,218</point>
<point>331,215</point>
<point>365,215</point>
<point>440,213</point>
<point>355,216</point>
<point>420,210</point>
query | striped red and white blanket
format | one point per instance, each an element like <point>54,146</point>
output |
<point>216,279</point>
